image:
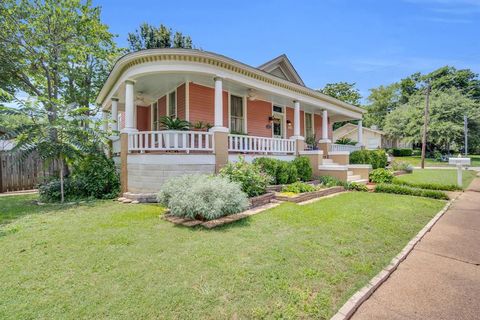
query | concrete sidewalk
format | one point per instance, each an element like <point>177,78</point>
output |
<point>440,279</point>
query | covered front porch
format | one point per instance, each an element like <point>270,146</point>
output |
<point>232,110</point>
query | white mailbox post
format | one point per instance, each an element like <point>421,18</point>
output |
<point>460,163</point>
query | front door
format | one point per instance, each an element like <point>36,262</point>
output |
<point>278,125</point>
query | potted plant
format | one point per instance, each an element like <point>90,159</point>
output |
<point>174,124</point>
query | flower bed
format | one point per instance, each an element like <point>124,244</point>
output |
<point>301,197</point>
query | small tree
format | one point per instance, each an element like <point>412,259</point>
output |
<point>75,135</point>
<point>150,37</point>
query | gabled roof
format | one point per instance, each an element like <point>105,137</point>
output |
<point>354,128</point>
<point>282,67</point>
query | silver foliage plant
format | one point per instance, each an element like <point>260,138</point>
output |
<point>202,196</point>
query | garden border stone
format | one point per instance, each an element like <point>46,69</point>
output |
<point>310,195</point>
<point>355,301</point>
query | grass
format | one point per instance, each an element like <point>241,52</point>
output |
<point>440,176</point>
<point>416,161</point>
<point>111,260</point>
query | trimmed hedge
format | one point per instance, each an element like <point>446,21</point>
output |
<point>402,152</point>
<point>429,186</point>
<point>377,158</point>
<point>406,190</point>
<point>253,181</point>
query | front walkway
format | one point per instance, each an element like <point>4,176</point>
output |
<point>440,279</point>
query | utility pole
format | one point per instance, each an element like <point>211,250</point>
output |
<point>465,128</point>
<point>425,124</point>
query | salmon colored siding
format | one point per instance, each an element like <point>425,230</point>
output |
<point>317,123</point>
<point>290,115</point>
<point>162,106</point>
<point>302,123</point>
<point>202,101</point>
<point>181,102</point>
<point>143,118</point>
<point>258,113</point>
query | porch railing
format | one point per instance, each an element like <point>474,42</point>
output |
<point>252,144</point>
<point>170,140</point>
<point>343,147</point>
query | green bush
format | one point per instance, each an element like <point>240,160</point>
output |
<point>354,186</point>
<point>304,168</point>
<point>202,197</point>
<point>283,172</point>
<point>73,189</point>
<point>381,176</point>
<point>401,166</point>
<point>406,190</point>
<point>430,186</point>
<point>253,181</point>
<point>94,176</point>
<point>377,158</point>
<point>402,152</point>
<point>329,181</point>
<point>299,187</point>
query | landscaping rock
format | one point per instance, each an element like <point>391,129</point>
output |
<point>261,200</point>
<point>127,201</point>
<point>121,199</point>
<point>135,202</point>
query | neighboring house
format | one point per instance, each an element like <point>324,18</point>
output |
<point>372,138</point>
<point>264,111</point>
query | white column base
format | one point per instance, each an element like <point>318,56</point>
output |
<point>219,129</point>
<point>325,141</point>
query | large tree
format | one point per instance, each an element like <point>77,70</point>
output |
<point>343,91</point>
<point>445,129</point>
<point>55,51</point>
<point>150,37</point>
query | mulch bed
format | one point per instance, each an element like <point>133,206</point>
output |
<point>310,195</point>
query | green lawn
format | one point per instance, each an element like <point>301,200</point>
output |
<point>416,161</point>
<point>440,176</point>
<point>111,260</point>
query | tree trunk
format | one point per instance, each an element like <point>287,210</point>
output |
<point>62,196</point>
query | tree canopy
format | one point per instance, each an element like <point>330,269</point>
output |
<point>150,37</point>
<point>343,91</point>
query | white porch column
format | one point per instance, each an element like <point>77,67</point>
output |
<point>296,118</point>
<point>325,126</point>
<point>129,107</point>
<point>360,133</point>
<point>114,114</point>
<point>218,104</point>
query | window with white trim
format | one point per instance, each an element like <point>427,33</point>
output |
<point>308,124</point>
<point>155,122</point>
<point>237,115</point>
<point>172,104</point>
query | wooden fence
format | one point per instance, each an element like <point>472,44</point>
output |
<point>22,174</point>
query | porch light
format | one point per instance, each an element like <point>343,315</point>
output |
<point>289,124</point>
<point>271,118</point>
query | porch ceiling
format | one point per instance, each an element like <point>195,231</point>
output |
<point>153,86</point>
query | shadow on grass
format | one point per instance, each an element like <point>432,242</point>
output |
<point>18,206</point>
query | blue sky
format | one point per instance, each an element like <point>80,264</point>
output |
<point>367,42</point>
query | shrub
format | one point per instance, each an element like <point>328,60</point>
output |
<point>346,141</point>
<point>430,186</point>
<point>381,176</point>
<point>401,166</point>
<point>283,171</point>
<point>99,176</point>
<point>299,187</point>
<point>206,197</point>
<point>304,169</point>
<point>74,189</point>
<point>354,186</point>
<point>406,190</point>
<point>329,181</point>
<point>377,158</point>
<point>402,152</point>
<point>253,181</point>
<point>94,176</point>
<point>268,166</point>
